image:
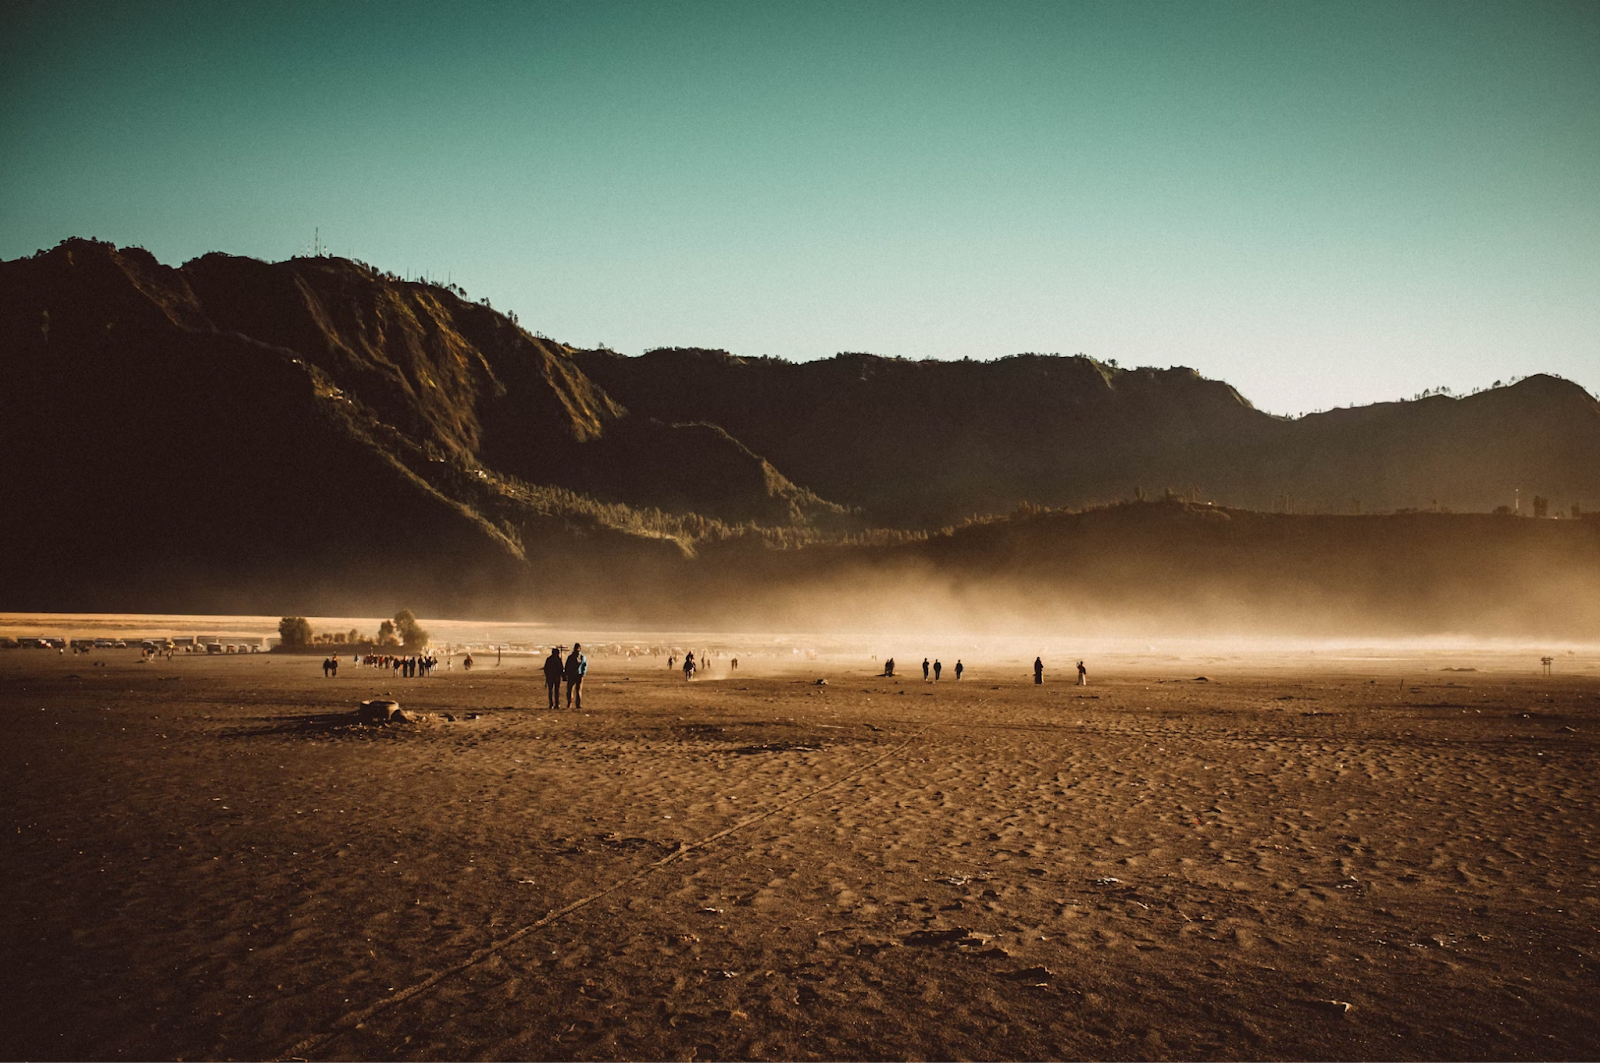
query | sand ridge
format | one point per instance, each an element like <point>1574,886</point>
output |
<point>213,862</point>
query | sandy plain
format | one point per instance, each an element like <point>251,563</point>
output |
<point>1295,858</point>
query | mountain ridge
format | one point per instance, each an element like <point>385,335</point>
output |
<point>935,441</point>
<point>231,433</point>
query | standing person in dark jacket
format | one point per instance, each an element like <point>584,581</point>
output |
<point>577,668</point>
<point>1038,671</point>
<point>553,671</point>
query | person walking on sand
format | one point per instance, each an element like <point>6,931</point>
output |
<point>1038,671</point>
<point>959,669</point>
<point>888,668</point>
<point>553,671</point>
<point>577,668</point>
<point>937,669</point>
<point>1083,675</point>
<point>924,669</point>
<point>688,666</point>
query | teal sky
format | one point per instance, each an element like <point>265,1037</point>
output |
<point>1320,203</point>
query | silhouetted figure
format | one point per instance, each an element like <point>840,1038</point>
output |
<point>466,663</point>
<point>1038,671</point>
<point>733,665</point>
<point>1083,675</point>
<point>959,669</point>
<point>688,665</point>
<point>888,667</point>
<point>553,671</point>
<point>937,668</point>
<point>672,661</point>
<point>577,668</point>
<point>924,669</point>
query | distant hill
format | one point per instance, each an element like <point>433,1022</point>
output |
<point>920,443</point>
<point>1173,567</point>
<point>318,436</point>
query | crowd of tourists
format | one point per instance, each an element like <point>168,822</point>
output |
<point>404,666</point>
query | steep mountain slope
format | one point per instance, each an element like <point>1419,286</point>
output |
<point>150,456</point>
<point>919,443</point>
<point>458,376</point>
<point>450,376</point>
<point>233,428</point>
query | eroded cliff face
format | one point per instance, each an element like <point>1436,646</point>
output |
<point>440,368</point>
<point>465,380</point>
<point>224,429</point>
<point>452,378</point>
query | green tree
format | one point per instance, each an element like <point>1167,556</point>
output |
<point>412,635</point>
<point>295,631</point>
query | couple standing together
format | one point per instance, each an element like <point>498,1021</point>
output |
<point>576,667</point>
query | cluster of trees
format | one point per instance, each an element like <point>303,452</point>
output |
<point>403,633</point>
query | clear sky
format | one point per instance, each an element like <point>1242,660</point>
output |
<point>1321,203</point>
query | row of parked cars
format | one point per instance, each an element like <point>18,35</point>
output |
<point>50,643</point>
<point>185,645</point>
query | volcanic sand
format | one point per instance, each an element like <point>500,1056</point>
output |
<point>207,858</point>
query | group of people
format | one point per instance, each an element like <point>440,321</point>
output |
<point>575,666</point>
<point>573,669</point>
<point>931,672</point>
<point>692,666</point>
<point>408,666</point>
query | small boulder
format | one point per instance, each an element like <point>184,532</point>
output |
<point>378,710</point>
